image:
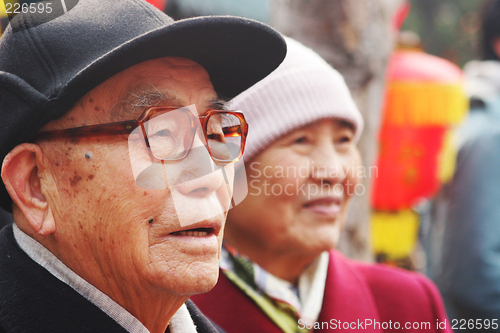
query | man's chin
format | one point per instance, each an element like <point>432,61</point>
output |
<point>196,278</point>
<point>201,284</point>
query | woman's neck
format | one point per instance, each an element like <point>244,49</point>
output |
<point>282,265</point>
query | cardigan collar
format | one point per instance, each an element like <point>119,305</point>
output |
<point>347,298</point>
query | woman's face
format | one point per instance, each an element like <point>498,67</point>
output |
<point>299,189</point>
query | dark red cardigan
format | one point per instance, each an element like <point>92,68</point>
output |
<point>354,292</point>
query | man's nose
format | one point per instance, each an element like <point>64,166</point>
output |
<point>199,175</point>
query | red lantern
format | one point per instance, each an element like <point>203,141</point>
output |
<point>424,99</point>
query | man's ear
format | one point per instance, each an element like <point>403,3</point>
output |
<point>24,173</point>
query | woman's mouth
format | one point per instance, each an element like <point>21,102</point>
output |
<point>324,206</point>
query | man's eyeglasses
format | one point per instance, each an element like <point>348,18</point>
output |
<point>169,132</point>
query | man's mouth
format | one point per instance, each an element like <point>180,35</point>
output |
<point>198,232</point>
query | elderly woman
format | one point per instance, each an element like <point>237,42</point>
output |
<point>281,272</point>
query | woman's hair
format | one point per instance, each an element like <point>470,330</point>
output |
<point>490,29</point>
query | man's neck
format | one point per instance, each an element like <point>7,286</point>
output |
<point>41,255</point>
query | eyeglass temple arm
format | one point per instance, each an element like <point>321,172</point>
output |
<point>124,127</point>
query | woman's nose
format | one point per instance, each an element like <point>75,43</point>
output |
<point>328,165</point>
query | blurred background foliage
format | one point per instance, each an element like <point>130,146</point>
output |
<point>254,9</point>
<point>447,28</point>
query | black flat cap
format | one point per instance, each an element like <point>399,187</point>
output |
<point>48,61</point>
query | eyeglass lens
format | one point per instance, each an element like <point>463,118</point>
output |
<point>170,134</point>
<point>224,136</point>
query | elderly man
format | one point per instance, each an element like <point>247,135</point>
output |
<point>111,116</point>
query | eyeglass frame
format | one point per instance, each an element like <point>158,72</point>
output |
<point>128,126</point>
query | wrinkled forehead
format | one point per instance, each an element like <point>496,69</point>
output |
<point>167,81</point>
<point>140,96</point>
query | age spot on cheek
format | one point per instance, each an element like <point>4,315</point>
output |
<point>68,151</point>
<point>74,180</point>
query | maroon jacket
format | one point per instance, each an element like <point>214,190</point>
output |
<point>355,294</point>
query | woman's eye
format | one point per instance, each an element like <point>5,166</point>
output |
<point>300,140</point>
<point>344,141</point>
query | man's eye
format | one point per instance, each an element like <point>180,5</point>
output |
<point>163,133</point>
<point>216,137</point>
<point>163,137</point>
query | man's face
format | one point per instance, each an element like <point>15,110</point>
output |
<point>117,235</point>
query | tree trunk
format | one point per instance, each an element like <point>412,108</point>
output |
<point>356,38</point>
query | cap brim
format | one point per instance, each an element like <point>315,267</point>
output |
<point>236,53</point>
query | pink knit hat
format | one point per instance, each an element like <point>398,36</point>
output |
<point>302,90</point>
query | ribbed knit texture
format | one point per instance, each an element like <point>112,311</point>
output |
<point>301,91</point>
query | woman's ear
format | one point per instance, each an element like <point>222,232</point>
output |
<point>24,173</point>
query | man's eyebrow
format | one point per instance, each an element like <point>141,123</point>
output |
<point>137,99</point>
<point>218,104</point>
<point>144,98</point>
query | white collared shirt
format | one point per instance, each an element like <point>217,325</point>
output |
<point>306,298</point>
